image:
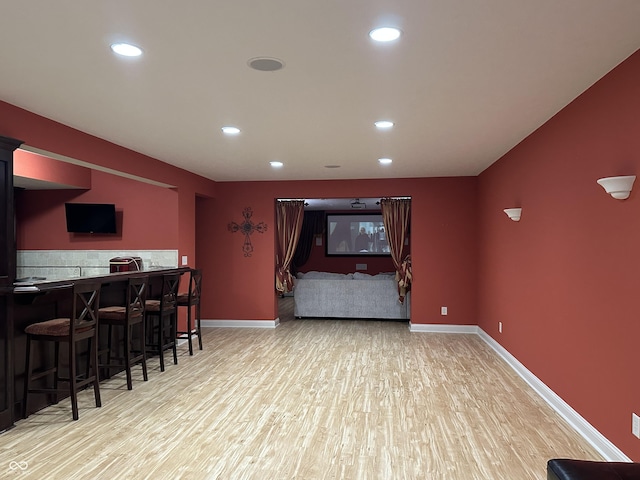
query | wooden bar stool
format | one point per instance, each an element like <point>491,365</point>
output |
<point>132,314</point>
<point>191,300</point>
<point>161,314</point>
<point>81,324</point>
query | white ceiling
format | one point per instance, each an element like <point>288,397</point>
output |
<point>466,82</point>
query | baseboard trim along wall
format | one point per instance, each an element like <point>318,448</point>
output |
<point>442,328</point>
<point>241,323</point>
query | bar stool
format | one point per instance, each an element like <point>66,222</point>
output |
<point>128,316</point>
<point>161,314</point>
<point>191,299</point>
<point>82,324</point>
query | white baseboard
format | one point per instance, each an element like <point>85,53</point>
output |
<point>241,323</point>
<point>607,449</point>
<point>442,328</point>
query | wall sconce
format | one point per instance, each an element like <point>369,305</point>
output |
<point>618,187</point>
<point>514,213</point>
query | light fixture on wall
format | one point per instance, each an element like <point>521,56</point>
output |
<point>514,213</point>
<point>618,187</point>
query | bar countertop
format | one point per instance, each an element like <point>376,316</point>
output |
<point>41,284</point>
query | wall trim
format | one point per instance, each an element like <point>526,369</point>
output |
<point>241,323</point>
<point>442,328</point>
<point>598,441</point>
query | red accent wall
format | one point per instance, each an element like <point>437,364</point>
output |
<point>139,226</point>
<point>320,262</point>
<point>444,240</point>
<point>564,280</point>
<point>34,166</point>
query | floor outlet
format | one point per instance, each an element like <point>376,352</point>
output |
<point>499,327</point>
<point>635,425</point>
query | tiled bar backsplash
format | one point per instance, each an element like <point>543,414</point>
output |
<point>53,264</point>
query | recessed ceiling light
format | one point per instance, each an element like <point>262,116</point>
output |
<point>228,130</point>
<point>384,124</point>
<point>385,161</point>
<point>126,49</point>
<point>276,164</point>
<point>384,34</point>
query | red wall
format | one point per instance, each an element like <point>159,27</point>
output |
<point>564,280</point>
<point>34,166</point>
<point>318,261</point>
<point>443,239</point>
<point>139,227</point>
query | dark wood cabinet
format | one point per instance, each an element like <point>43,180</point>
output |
<point>7,277</point>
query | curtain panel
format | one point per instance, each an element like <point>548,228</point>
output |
<point>312,225</point>
<point>289,216</point>
<point>396,214</point>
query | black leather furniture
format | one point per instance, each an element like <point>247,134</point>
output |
<point>566,469</point>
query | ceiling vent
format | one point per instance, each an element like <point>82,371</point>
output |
<point>358,204</point>
<point>265,64</point>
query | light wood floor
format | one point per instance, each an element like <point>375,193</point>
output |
<point>312,399</point>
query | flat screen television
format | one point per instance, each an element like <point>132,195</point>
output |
<point>90,217</point>
<point>360,234</point>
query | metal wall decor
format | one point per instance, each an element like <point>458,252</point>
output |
<point>247,227</point>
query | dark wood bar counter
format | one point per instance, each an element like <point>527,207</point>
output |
<point>35,301</point>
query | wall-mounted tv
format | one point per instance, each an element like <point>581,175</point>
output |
<point>91,217</point>
<point>360,234</point>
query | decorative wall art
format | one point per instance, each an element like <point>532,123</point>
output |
<point>247,227</point>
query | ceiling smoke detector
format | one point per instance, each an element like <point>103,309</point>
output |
<point>266,64</point>
<point>358,204</point>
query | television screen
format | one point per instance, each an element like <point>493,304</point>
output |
<point>91,217</point>
<point>356,234</point>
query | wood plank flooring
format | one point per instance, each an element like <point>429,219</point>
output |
<point>312,399</point>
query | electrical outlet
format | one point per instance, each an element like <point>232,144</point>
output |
<point>499,327</point>
<point>635,425</point>
<point>184,260</point>
<point>443,310</point>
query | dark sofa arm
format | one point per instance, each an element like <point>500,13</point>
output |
<point>566,469</point>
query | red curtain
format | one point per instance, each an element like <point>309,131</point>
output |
<point>289,216</point>
<point>396,213</point>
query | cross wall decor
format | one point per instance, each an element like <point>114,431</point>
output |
<point>247,227</point>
